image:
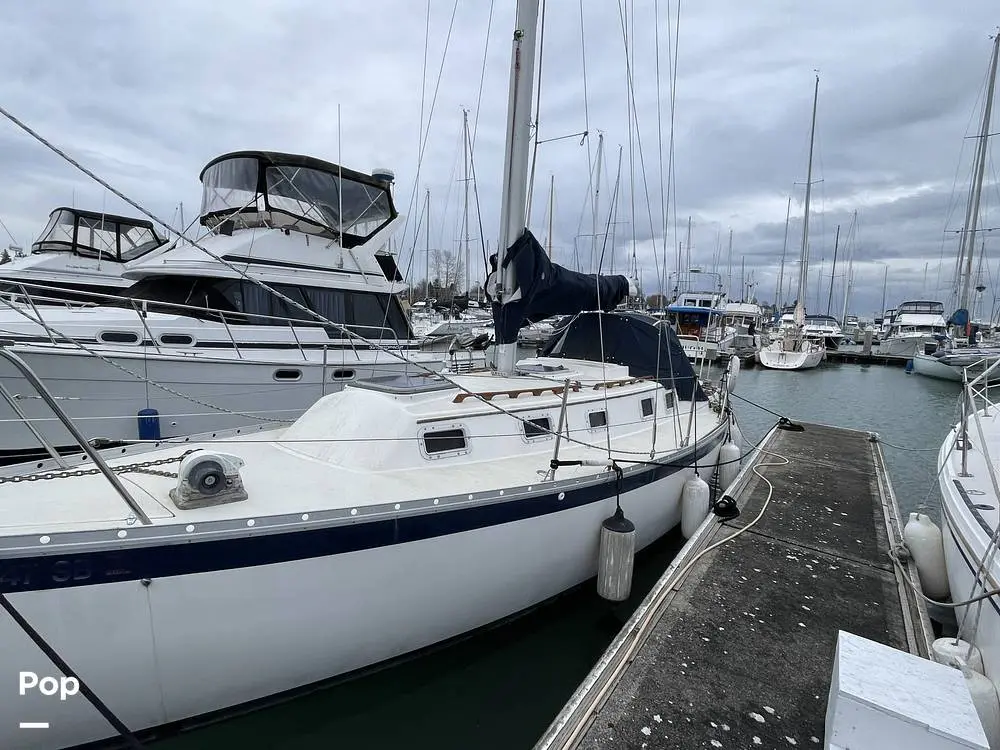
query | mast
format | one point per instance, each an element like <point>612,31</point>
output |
<point>833,271</point>
<point>779,292</point>
<point>427,247</point>
<point>516,152</point>
<point>804,264</point>
<point>972,211</point>
<point>465,213</point>
<point>597,201</point>
<point>729,261</point>
<point>552,199</point>
<point>687,250</point>
<point>849,280</point>
<point>743,278</point>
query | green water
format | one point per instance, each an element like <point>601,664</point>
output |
<point>501,688</point>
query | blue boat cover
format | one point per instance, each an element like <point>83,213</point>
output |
<point>648,347</point>
<point>545,289</point>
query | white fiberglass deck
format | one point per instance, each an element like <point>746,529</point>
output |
<point>362,447</point>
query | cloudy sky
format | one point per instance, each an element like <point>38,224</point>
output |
<point>146,93</point>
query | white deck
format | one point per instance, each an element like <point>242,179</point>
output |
<point>360,448</point>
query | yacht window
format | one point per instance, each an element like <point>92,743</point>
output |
<point>369,314</point>
<point>444,441</point>
<point>364,313</point>
<point>598,419</point>
<point>668,399</point>
<point>540,427</point>
<point>343,374</point>
<point>118,337</point>
<point>176,339</point>
<point>288,374</point>
<point>647,407</point>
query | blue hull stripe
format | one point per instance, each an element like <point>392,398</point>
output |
<point>37,573</point>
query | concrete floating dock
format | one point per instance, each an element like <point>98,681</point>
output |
<point>734,647</point>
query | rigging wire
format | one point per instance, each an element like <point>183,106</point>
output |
<point>538,109</point>
<point>430,113</point>
<point>349,334</point>
<point>482,78</point>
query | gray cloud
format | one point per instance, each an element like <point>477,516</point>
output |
<point>146,95</point>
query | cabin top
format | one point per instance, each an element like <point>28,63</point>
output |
<point>91,234</point>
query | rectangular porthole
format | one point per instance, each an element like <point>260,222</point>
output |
<point>538,428</point>
<point>342,375</point>
<point>668,399</point>
<point>598,419</point>
<point>647,407</point>
<point>288,374</point>
<point>445,441</point>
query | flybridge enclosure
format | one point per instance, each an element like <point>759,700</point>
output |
<point>260,188</point>
<point>921,307</point>
<point>818,319</point>
<point>649,348</point>
<point>95,235</point>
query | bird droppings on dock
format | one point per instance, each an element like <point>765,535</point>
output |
<point>778,593</point>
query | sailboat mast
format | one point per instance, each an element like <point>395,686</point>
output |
<point>427,246</point>
<point>552,201</point>
<point>972,214</point>
<point>849,279</point>
<point>833,271</point>
<point>516,153</point>
<point>597,201</point>
<point>729,262</point>
<point>687,248</point>
<point>465,213</point>
<point>804,265</point>
<point>779,292</point>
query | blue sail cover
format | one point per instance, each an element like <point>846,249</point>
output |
<point>649,348</point>
<point>545,289</point>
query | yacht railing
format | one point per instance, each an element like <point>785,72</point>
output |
<point>973,391</point>
<point>89,449</point>
<point>37,303</point>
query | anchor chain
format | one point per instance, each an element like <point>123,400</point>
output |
<point>142,467</point>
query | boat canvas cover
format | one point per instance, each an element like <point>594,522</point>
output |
<point>649,348</point>
<point>545,289</point>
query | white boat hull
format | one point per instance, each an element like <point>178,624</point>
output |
<point>774,358</point>
<point>907,346</point>
<point>965,531</point>
<point>104,400</point>
<point>931,367</point>
<point>699,350</point>
<point>180,646</point>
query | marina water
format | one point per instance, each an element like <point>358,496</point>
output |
<point>501,687</point>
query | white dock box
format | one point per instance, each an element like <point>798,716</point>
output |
<point>881,697</point>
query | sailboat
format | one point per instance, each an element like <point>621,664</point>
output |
<point>793,350</point>
<point>392,515</point>
<point>953,361</point>
<point>967,477</point>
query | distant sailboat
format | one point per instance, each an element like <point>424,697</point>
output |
<point>793,351</point>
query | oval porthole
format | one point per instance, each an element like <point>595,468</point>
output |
<point>288,374</point>
<point>176,339</point>
<point>118,337</point>
<point>343,375</point>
